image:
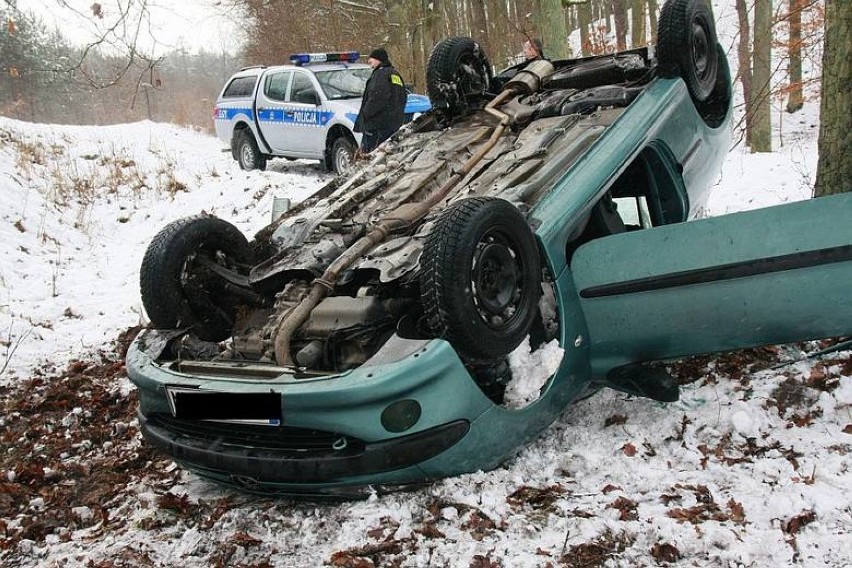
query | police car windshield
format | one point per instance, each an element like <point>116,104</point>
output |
<point>344,83</point>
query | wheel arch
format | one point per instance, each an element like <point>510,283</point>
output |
<point>239,128</point>
<point>335,132</point>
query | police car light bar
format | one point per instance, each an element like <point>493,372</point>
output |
<point>303,58</point>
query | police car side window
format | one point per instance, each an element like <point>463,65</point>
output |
<point>240,87</point>
<point>302,90</point>
<point>276,85</point>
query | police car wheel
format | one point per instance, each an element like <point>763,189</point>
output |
<point>341,155</point>
<point>248,154</point>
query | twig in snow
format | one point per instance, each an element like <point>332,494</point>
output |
<point>10,351</point>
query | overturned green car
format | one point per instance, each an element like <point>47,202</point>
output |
<point>360,341</point>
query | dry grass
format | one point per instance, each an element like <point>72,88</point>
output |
<point>67,179</point>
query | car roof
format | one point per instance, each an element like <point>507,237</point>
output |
<point>258,69</point>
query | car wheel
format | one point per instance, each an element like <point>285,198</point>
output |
<point>248,154</point>
<point>179,287</point>
<point>480,279</point>
<point>457,72</point>
<point>686,46</point>
<point>341,154</point>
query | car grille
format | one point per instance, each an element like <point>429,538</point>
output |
<point>278,438</point>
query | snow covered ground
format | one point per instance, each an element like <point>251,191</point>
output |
<point>750,468</point>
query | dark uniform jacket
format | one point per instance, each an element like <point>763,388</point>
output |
<point>383,105</point>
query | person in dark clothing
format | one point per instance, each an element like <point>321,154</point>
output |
<point>383,106</point>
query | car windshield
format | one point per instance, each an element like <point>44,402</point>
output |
<point>344,83</point>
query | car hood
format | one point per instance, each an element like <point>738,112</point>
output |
<point>413,103</point>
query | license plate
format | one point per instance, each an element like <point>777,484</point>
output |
<point>244,407</point>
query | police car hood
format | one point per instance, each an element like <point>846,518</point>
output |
<point>353,105</point>
<point>413,103</point>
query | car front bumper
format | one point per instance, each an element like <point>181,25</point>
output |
<point>332,434</point>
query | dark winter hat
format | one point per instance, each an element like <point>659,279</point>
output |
<point>380,54</point>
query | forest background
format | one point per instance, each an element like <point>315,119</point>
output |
<point>777,55</point>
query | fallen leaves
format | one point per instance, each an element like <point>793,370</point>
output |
<point>748,451</point>
<point>536,497</point>
<point>68,443</point>
<point>665,552</point>
<point>615,420</point>
<point>794,525</point>
<point>706,508</point>
<point>480,561</point>
<point>479,525</point>
<point>597,551</point>
<point>627,509</point>
<point>365,556</point>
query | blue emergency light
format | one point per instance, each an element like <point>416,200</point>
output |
<point>303,58</point>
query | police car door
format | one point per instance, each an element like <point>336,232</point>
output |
<point>272,111</point>
<point>304,118</point>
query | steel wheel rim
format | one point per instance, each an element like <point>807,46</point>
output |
<point>341,160</point>
<point>700,49</point>
<point>247,155</point>
<point>495,279</point>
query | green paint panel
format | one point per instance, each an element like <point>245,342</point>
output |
<point>771,275</point>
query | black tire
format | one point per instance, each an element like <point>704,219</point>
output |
<point>247,153</point>
<point>342,152</point>
<point>480,279</point>
<point>178,291</point>
<point>457,73</point>
<point>686,46</point>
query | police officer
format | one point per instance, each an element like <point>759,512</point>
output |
<point>383,106</point>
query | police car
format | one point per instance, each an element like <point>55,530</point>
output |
<point>303,110</point>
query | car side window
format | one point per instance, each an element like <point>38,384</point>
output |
<point>240,87</point>
<point>303,90</point>
<point>276,85</point>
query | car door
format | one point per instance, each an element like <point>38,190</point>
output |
<point>272,109</point>
<point>305,118</point>
<point>766,276</point>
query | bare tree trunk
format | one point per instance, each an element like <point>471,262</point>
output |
<point>619,8</point>
<point>479,24</point>
<point>795,98</point>
<point>584,14</point>
<point>418,49</point>
<point>503,34</point>
<point>552,25</point>
<point>652,12</point>
<point>834,166</point>
<point>761,77</point>
<point>637,36</point>
<point>744,61</point>
<point>433,28</point>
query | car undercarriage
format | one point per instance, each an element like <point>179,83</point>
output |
<point>328,283</point>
